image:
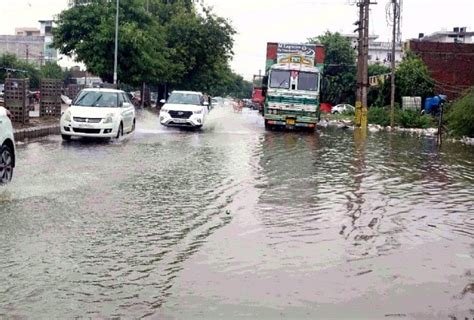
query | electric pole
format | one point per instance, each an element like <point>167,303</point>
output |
<point>392,93</point>
<point>362,63</point>
<point>365,71</point>
<point>116,42</point>
<point>360,29</point>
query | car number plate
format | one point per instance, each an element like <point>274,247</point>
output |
<point>85,125</point>
<point>179,120</point>
<point>290,122</point>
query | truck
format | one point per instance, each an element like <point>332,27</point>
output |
<point>291,85</point>
<point>258,99</point>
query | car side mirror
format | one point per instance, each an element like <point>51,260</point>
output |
<point>162,101</point>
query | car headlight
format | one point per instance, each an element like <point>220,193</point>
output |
<point>109,118</point>
<point>164,110</point>
<point>198,112</point>
<point>67,116</point>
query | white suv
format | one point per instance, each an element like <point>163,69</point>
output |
<point>184,109</point>
<point>7,147</point>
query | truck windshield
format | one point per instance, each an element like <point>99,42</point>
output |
<point>308,81</point>
<point>280,79</point>
<point>185,98</point>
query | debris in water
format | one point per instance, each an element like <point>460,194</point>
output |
<point>373,222</point>
<point>468,289</point>
<point>363,272</point>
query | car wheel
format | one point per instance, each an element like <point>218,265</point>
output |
<point>133,126</point>
<point>120,131</point>
<point>66,137</point>
<point>335,112</point>
<point>6,164</point>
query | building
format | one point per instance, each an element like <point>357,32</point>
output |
<point>30,44</point>
<point>451,64</point>
<point>457,35</point>
<point>27,32</point>
<point>84,78</point>
<point>379,52</point>
<point>46,29</point>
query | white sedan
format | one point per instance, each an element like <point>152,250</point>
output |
<point>7,147</point>
<point>98,113</point>
<point>342,108</point>
<point>184,109</point>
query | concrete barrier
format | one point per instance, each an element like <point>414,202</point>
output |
<point>35,132</point>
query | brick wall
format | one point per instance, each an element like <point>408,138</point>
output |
<point>450,64</point>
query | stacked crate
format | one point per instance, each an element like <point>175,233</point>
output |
<point>50,104</point>
<point>73,90</point>
<point>16,99</point>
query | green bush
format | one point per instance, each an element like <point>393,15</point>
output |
<point>460,116</point>
<point>413,119</point>
<point>402,118</point>
<point>380,116</point>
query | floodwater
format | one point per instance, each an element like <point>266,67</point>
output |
<point>233,222</point>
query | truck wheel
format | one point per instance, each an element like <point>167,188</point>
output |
<point>268,126</point>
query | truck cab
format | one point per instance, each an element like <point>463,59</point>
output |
<point>292,96</point>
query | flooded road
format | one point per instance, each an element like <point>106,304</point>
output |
<point>237,223</point>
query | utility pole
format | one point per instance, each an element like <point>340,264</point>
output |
<point>358,111</point>
<point>392,93</point>
<point>365,71</point>
<point>27,53</point>
<point>116,43</point>
<point>362,63</point>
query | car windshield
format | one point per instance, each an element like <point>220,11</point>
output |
<point>308,81</point>
<point>184,98</point>
<point>97,99</point>
<point>280,79</point>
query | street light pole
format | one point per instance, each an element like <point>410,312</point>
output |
<point>392,90</point>
<point>116,43</point>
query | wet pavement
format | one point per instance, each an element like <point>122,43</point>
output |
<point>233,222</point>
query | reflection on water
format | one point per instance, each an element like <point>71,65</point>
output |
<point>125,229</point>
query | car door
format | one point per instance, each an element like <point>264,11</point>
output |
<point>127,111</point>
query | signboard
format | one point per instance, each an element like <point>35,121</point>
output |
<point>296,53</point>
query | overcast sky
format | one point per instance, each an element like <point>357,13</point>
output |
<point>259,21</point>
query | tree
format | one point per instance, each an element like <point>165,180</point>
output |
<point>88,32</point>
<point>160,41</point>
<point>51,70</point>
<point>412,78</point>
<point>339,78</point>
<point>379,95</point>
<point>16,68</point>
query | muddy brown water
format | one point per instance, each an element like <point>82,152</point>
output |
<point>233,222</point>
